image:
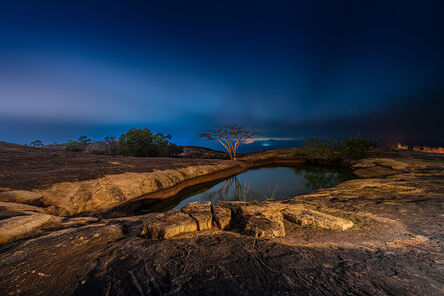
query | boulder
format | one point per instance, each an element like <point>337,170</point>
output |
<point>201,212</point>
<point>221,217</point>
<point>167,225</point>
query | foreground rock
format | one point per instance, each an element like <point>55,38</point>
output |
<point>395,247</point>
<point>61,266</point>
<point>260,219</point>
<point>201,213</point>
<point>167,225</point>
<point>306,217</point>
<point>18,220</point>
<point>221,216</point>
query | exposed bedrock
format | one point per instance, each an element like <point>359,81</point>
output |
<point>376,236</point>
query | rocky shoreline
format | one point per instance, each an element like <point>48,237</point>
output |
<point>379,234</point>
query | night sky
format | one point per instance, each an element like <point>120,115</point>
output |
<point>288,69</point>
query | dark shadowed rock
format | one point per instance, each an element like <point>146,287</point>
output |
<point>201,212</point>
<point>56,263</point>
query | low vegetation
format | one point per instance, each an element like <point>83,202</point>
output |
<point>334,151</point>
<point>36,143</point>
<point>142,142</point>
<point>78,146</point>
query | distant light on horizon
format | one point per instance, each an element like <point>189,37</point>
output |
<point>252,140</point>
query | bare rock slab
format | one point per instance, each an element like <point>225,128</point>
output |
<point>18,220</point>
<point>201,212</point>
<point>19,196</point>
<point>221,217</point>
<point>167,225</point>
<point>307,217</point>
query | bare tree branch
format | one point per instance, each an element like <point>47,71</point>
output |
<point>230,136</point>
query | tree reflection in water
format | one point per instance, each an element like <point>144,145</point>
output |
<point>270,183</point>
<point>321,177</point>
<point>233,190</point>
<point>314,178</point>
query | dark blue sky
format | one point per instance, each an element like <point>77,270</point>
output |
<point>285,68</point>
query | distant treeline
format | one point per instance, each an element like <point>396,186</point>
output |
<point>135,142</point>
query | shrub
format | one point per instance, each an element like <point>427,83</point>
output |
<point>79,145</point>
<point>74,146</point>
<point>320,149</point>
<point>36,143</point>
<point>355,147</point>
<point>142,142</point>
<point>330,151</point>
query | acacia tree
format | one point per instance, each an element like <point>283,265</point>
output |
<point>230,136</point>
<point>36,143</point>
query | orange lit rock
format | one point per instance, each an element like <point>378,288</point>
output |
<point>221,216</point>
<point>167,225</point>
<point>201,212</point>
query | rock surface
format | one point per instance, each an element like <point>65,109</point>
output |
<point>306,217</point>
<point>18,220</point>
<point>73,183</point>
<point>167,225</point>
<point>395,247</point>
<point>201,213</point>
<point>221,216</point>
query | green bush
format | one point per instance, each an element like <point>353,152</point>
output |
<point>331,151</point>
<point>79,145</point>
<point>316,148</point>
<point>142,142</point>
<point>74,146</point>
<point>355,147</point>
<point>36,143</point>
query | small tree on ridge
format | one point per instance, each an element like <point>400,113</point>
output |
<point>36,143</point>
<point>230,136</point>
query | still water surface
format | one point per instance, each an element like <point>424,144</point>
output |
<point>263,183</point>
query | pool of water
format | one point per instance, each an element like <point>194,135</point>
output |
<point>265,183</point>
